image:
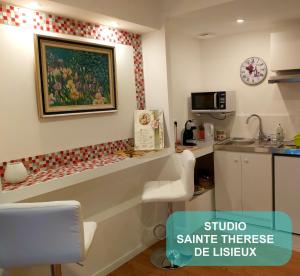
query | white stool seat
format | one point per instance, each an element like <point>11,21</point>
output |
<point>43,233</point>
<point>181,189</point>
<point>89,229</point>
<point>164,191</point>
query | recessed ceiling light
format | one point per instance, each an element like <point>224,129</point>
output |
<point>114,24</point>
<point>240,20</point>
<point>34,5</point>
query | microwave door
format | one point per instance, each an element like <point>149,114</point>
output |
<point>204,101</point>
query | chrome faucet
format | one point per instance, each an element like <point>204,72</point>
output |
<point>261,135</point>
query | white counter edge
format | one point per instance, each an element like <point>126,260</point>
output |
<point>203,151</point>
<point>76,178</point>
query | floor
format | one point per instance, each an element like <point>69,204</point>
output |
<point>141,266</point>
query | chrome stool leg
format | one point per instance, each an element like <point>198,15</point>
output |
<point>156,232</point>
<point>160,260</point>
<point>158,257</point>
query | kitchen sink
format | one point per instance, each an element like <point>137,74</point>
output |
<point>247,145</point>
<point>240,141</point>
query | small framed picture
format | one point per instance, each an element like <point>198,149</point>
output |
<point>74,77</point>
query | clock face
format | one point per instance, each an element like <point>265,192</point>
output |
<point>253,70</point>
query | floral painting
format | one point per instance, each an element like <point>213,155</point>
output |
<point>74,77</point>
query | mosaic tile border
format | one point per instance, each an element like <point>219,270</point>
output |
<point>63,158</point>
<point>62,171</point>
<point>41,21</point>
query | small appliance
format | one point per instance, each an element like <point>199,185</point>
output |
<point>209,132</point>
<point>218,101</point>
<point>188,137</point>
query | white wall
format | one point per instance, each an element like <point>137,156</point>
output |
<point>184,70</point>
<point>197,65</point>
<point>23,134</point>
<point>156,77</point>
<point>221,59</point>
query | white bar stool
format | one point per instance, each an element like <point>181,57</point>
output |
<point>171,191</point>
<point>43,233</point>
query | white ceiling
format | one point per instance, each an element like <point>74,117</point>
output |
<point>133,15</point>
<point>139,16</point>
<point>173,8</point>
<point>188,16</point>
<point>221,19</point>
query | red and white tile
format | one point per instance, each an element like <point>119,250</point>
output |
<point>64,170</point>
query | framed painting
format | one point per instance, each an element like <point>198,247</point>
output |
<point>74,77</point>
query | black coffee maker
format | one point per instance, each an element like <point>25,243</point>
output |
<point>188,138</point>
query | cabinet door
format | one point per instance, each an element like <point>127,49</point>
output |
<point>257,182</point>
<point>228,190</point>
<point>287,189</point>
<point>257,185</point>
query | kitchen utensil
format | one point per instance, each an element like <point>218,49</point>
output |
<point>177,141</point>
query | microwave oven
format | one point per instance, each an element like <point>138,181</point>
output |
<point>217,101</point>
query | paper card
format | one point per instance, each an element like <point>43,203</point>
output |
<point>148,130</point>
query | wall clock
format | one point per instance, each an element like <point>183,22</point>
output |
<point>253,70</point>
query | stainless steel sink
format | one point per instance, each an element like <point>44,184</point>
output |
<point>247,145</point>
<point>240,141</point>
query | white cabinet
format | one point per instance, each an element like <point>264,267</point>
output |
<point>287,189</point>
<point>284,50</point>
<point>243,182</point>
<point>257,182</point>
<point>228,177</point>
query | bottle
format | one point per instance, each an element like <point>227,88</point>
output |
<point>201,134</point>
<point>279,133</point>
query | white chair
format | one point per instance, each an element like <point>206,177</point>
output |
<point>43,233</point>
<point>181,189</point>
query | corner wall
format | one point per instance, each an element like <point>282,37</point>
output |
<point>156,77</point>
<point>214,64</point>
<point>184,71</point>
<point>221,59</point>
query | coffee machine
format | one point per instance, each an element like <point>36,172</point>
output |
<point>188,137</point>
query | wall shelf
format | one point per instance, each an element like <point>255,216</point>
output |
<point>39,188</point>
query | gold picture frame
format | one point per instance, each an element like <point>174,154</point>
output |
<point>74,77</point>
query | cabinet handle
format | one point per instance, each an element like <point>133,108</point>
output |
<point>236,160</point>
<point>246,161</point>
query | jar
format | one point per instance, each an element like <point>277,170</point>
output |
<point>15,173</point>
<point>220,135</point>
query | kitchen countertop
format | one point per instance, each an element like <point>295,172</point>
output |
<point>256,147</point>
<point>285,148</point>
<point>199,150</point>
